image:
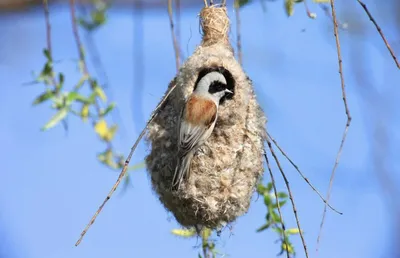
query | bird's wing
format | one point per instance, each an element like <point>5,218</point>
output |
<point>189,136</point>
<point>194,128</point>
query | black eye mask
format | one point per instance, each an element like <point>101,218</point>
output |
<point>217,86</point>
<point>230,82</point>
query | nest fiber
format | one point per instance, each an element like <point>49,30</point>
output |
<point>226,169</point>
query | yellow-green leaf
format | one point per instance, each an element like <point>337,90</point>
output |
<point>289,7</point>
<point>137,166</point>
<point>60,115</point>
<point>101,128</point>
<point>85,112</point>
<point>321,1</point>
<point>81,81</point>
<point>111,133</point>
<point>184,232</point>
<point>99,92</point>
<point>105,133</point>
<point>288,248</point>
<point>206,233</point>
<point>292,231</point>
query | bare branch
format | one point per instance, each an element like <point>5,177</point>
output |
<point>48,36</point>
<point>301,174</point>
<point>290,195</point>
<point>339,56</point>
<point>48,25</point>
<point>364,6</point>
<point>128,159</point>
<point>277,202</point>
<point>174,40</point>
<point>238,33</point>
<point>76,35</point>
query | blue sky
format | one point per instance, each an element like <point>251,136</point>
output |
<point>51,183</point>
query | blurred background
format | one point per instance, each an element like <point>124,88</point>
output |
<point>51,182</point>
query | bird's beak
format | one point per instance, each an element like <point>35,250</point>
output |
<point>228,91</point>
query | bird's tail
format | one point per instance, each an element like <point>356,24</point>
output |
<point>182,170</point>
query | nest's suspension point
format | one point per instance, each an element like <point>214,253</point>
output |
<point>215,25</point>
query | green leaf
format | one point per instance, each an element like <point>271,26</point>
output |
<point>98,17</point>
<point>60,115</point>
<point>289,7</point>
<point>81,81</point>
<point>277,230</point>
<point>275,217</point>
<point>72,96</point>
<point>267,199</point>
<point>46,53</point>
<point>43,97</point>
<point>280,204</point>
<point>242,3</point>
<point>263,227</point>
<point>269,186</point>
<point>108,109</point>
<point>184,232</point>
<point>282,195</point>
<point>61,80</point>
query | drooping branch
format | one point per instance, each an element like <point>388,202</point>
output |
<point>128,159</point>
<point>339,57</point>
<point>290,195</point>
<point>364,6</point>
<point>301,174</point>
<point>174,39</point>
<point>284,240</point>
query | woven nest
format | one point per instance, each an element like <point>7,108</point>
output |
<point>225,170</point>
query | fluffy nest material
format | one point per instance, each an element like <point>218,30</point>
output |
<point>226,169</point>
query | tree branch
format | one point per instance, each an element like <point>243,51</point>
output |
<point>159,107</point>
<point>290,195</point>
<point>339,56</point>
<point>174,40</point>
<point>364,6</point>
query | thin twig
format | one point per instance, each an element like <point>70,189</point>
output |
<point>48,35</point>
<point>178,28</point>
<point>325,8</point>
<point>48,25</point>
<point>128,159</point>
<point>364,6</point>
<point>238,32</point>
<point>346,129</point>
<point>290,195</point>
<point>301,174</point>
<point>76,35</point>
<point>174,40</point>
<point>277,201</point>
<point>309,13</point>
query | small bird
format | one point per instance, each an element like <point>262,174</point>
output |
<point>197,121</point>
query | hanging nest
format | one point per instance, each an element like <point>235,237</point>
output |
<point>226,169</point>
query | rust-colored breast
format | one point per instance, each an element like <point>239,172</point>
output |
<point>200,111</point>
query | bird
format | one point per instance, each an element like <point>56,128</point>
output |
<point>197,121</point>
